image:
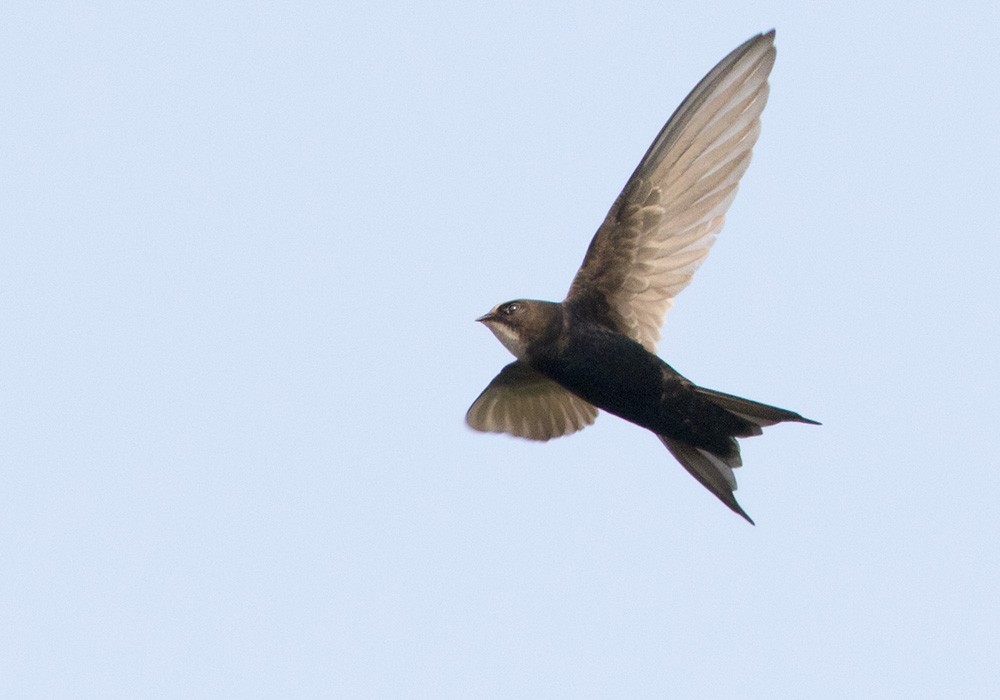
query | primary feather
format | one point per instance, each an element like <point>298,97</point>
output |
<point>665,220</point>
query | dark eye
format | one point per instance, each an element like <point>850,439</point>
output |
<point>511,308</point>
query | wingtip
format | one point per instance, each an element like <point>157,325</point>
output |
<point>762,38</point>
<point>767,39</point>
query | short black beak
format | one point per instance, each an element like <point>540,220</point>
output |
<point>484,318</point>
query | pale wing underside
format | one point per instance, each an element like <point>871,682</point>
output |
<point>665,220</point>
<point>522,402</point>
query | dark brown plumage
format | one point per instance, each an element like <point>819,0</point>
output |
<point>596,349</point>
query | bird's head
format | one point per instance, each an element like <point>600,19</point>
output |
<point>517,324</point>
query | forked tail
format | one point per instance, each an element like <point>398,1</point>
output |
<point>715,471</point>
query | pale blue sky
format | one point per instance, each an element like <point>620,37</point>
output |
<point>243,246</point>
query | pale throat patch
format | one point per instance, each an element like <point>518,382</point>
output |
<point>508,338</point>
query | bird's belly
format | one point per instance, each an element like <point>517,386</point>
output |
<point>626,384</point>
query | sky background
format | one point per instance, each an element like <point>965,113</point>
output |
<point>242,246</point>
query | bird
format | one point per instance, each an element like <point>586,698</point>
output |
<point>596,350</point>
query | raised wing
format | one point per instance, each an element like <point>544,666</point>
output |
<point>522,402</point>
<point>665,220</point>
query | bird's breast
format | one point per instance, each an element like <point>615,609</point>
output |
<point>606,369</point>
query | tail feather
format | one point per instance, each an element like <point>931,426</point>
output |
<point>714,468</point>
<point>760,414</point>
<point>712,471</point>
